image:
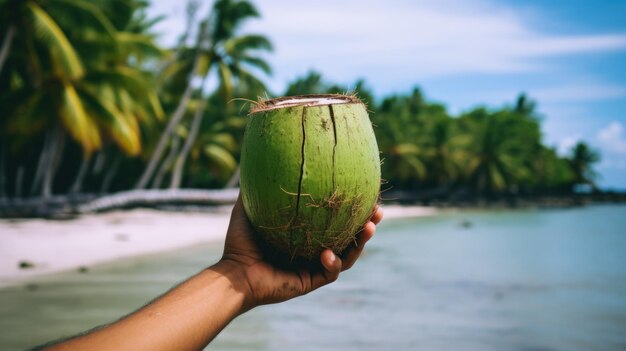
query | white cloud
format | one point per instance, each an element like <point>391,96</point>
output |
<point>575,90</point>
<point>612,139</point>
<point>566,144</point>
<point>579,91</point>
<point>401,42</point>
<point>412,40</point>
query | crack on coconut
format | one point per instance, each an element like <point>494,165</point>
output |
<point>332,119</point>
<point>302,160</point>
<point>332,210</point>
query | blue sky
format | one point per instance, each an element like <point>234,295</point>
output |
<point>570,56</point>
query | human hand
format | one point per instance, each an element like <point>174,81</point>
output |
<point>191,314</point>
<point>264,283</point>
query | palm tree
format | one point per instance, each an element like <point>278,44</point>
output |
<point>581,161</point>
<point>46,81</point>
<point>443,149</point>
<point>398,127</point>
<point>311,83</point>
<point>218,50</point>
<point>490,166</point>
<point>219,146</point>
<point>230,55</point>
<point>78,82</point>
<point>524,105</point>
<point>551,173</point>
<point>124,90</point>
<point>502,147</point>
<point>176,116</point>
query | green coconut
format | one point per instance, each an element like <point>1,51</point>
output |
<point>310,172</point>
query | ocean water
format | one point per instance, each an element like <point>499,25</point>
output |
<point>548,279</point>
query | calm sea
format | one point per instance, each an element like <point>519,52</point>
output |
<point>508,280</point>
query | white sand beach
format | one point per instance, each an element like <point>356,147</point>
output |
<point>398,211</point>
<point>58,245</point>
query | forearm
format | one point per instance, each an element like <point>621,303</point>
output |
<point>186,318</point>
<point>190,315</point>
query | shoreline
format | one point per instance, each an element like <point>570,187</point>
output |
<point>65,207</point>
<point>43,246</point>
<point>51,246</point>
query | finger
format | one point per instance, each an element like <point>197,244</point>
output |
<point>238,217</point>
<point>239,239</point>
<point>378,215</point>
<point>238,212</point>
<point>354,252</point>
<point>331,267</point>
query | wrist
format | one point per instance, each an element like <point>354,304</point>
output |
<point>235,273</point>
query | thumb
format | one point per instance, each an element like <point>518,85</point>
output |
<point>238,217</point>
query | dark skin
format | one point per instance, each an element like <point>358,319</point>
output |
<point>190,315</point>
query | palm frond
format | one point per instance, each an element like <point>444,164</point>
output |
<point>226,79</point>
<point>119,124</point>
<point>238,45</point>
<point>27,112</point>
<point>120,11</point>
<point>76,120</point>
<point>228,15</point>
<point>257,62</point>
<point>406,149</point>
<point>138,44</point>
<point>47,30</point>
<point>416,165</point>
<point>134,82</point>
<point>221,156</point>
<point>225,140</point>
<point>80,13</point>
<point>205,61</point>
<point>249,83</point>
<point>498,181</point>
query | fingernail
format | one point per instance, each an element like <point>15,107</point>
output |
<point>332,257</point>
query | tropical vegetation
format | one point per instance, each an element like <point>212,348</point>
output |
<point>91,103</point>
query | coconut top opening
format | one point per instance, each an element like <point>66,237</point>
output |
<point>303,100</point>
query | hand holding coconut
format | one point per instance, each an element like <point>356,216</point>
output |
<point>190,315</point>
<point>310,176</point>
<point>262,282</point>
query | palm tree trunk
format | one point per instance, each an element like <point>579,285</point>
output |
<point>19,180</point>
<point>42,163</point>
<point>191,139</point>
<point>176,117</point>
<point>160,148</point>
<point>80,176</point>
<point>234,180</point>
<point>3,169</point>
<point>167,164</point>
<point>56,155</point>
<point>98,163</point>
<point>6,45</point>
<point>108,177</point>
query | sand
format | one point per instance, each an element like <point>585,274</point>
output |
<point>397,211</point>
<point>58,245</point>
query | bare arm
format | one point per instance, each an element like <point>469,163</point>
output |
<point>190,315</point>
